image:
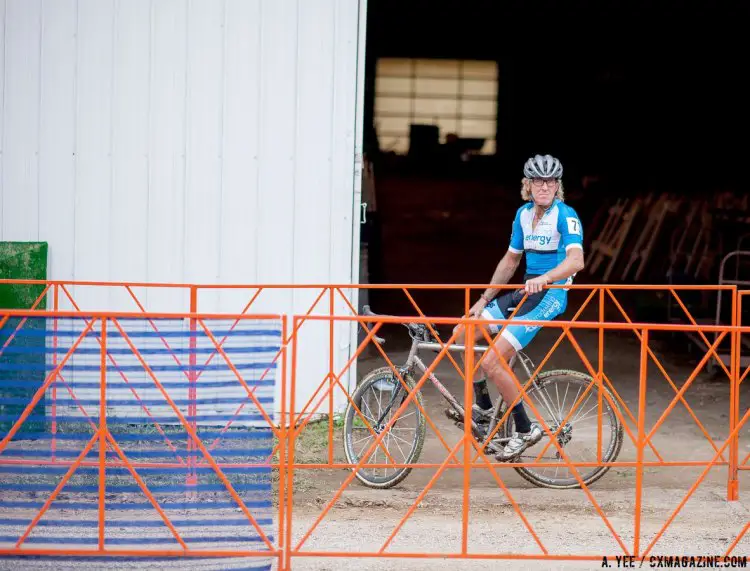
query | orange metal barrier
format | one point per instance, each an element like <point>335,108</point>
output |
<point>468,456</point>
<point>474,457</point>
<point>161,461</point>
<point>734,416</point>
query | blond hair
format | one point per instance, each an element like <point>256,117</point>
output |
<point>526,190</point>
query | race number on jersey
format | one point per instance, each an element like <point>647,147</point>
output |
<point>574,226</point>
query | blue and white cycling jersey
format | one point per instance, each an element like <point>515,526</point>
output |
<point>546,245</point>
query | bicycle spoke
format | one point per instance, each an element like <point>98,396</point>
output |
<point>395,441</point>
<point>546,403</point>
<point>395,436</point>
<point>380,403</point>
<point>369,436</point>
<point>565,396</point>
<point>577,417</point>
<point>585,417</point>
<point>387,447</point>
<point>372,417</point>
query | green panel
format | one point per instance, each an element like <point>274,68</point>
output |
<point>22,261</point>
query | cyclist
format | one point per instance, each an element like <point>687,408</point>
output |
<point>550,233</point>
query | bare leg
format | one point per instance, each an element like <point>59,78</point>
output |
<point>528,432</point>
<point>497,372</point>
<point>491,365</point>
<point>460,331</point>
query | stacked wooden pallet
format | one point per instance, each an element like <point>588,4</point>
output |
<point>662,238</point>
<point>666,238</point>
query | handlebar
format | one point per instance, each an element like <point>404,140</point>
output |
<point>367,311</point>
<point>417,331</point>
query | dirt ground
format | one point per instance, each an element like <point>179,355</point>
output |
<point>565,522</point>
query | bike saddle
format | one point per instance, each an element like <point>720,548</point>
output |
<point>516,299</point>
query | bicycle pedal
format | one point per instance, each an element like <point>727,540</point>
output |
<point>492,448</point>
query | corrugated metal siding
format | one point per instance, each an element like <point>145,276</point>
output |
<point>183,141</point>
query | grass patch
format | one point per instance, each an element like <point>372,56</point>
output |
<point>311,446</point>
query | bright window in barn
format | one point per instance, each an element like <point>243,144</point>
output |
<point>458,96</point>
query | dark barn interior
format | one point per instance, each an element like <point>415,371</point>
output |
<point>658,126</point>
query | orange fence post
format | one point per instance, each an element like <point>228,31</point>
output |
<point>291,433</point>
<point>192,475</point>
<point>102,430</point>
<point>330,376</point>
<point>53,411</point>
<point>734,400</point>
<point>600,379</point>
<point>641,438</point>
<point>468,398</point>
<point>282,447</point>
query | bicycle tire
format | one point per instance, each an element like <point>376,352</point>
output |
<point>611,454</point>
<point>383,373</point>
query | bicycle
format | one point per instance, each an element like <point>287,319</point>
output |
<point>383,381</point>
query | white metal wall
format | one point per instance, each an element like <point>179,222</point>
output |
<point>198,141</point>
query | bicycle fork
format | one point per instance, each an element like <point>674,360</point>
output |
<point>379,426</point>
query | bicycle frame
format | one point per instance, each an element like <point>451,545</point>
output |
<point>413,361</point>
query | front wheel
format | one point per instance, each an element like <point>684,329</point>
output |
<point>378,397</point>
<point>554,395</point>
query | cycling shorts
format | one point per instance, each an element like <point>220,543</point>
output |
<point>542,306</point>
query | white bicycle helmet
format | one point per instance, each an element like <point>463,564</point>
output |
<point>545,166</point>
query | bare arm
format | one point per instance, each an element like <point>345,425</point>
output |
<point>505,269</point>
<point>503,272</point>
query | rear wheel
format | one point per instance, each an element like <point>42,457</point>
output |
<point>554,395</point>
<point>381,392</point>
